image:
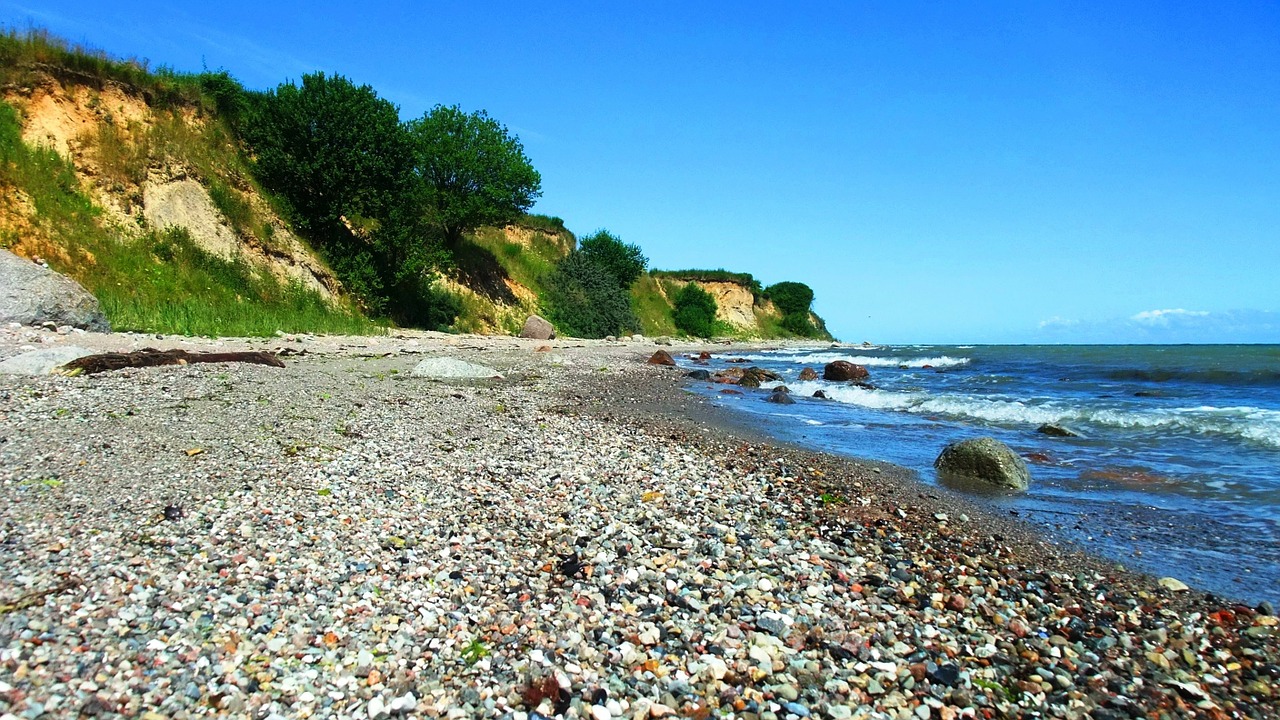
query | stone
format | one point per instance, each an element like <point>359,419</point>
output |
<point>808,374</point>
<point>447,368</point>
<point>664,340</point>
<point>983,459</point>
<point>1173,584</point>
<point>1056,430</point>
<point>42,362</point>
<point>820,395</point>
<point>843,370</point>
<point>662,357</point>
<point>537,327</point>
<point>698,375</point>
<point>32,294</point>
<point>780,398</point>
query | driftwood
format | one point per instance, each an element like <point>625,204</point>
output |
<point>150,357</point>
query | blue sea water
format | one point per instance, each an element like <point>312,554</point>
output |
<point>1177,471</point>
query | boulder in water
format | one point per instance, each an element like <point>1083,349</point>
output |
<point>842,370</point>
<point>985,460</point>
<point>1056,430</point>
<point>32,294</point>
<point>781,398</point>
<point>698,375</point>
<point>808,374</point>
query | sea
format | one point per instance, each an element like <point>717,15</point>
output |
<point>1175,472</point>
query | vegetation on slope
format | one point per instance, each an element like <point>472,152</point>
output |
<point>160,281</point>
<point>410,215</point>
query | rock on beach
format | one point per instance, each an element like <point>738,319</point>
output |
<point>984,459</point>
<point>31,294</point>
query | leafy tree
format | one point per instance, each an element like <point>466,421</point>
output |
<point>470,171</point>
<point>790,297</point>
<point>695,311</point>
<point>624,261</point>
<point>333,150</point>
<point>585,300</point>
<point>799,323</point>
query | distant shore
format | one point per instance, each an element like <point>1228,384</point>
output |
<point>339,537</point>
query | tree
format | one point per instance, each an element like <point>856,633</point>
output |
<point>625,262</point>
<point>695,311</point>
<point>333,150</point>
<point>585,300</point>
<point>470,171</point>
<point>790,297</point>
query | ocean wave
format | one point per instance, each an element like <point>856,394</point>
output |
<point>1255,425</point>
<point>1207,376</point>
<point>942,361</point>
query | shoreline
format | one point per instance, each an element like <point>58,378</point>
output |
<point>585,520</point>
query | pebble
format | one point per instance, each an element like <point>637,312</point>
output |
<point>357,543</point>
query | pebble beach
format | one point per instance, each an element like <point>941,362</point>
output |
<point>579,538</point>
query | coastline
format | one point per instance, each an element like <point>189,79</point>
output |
<point>584,520</point>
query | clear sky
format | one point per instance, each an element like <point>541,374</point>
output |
<point>937,172</point>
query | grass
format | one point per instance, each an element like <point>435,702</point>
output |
<point>547,224</point>
<point>712,276</point>
<point>527,265</point>
<point>24,53</point>
<point>160,282</point>
<point>651,307</point>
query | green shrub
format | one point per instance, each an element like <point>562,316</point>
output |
<point>584,299</point>
<point>799,324</point>
<point>792,298</point>
<point>624,262</point>
<point>695,311</point>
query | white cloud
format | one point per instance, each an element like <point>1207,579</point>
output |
<point>1163,316</point>
<point>1174,325</point>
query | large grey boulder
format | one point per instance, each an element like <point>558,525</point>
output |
<point>985,460</point>
<point>446,368</point>
<point>538,328</point>
<point>42,362</point>
<point>32,294</point>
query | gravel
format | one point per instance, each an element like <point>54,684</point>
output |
<point>581,538</point>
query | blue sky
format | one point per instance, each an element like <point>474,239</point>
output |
<point>937,172</point>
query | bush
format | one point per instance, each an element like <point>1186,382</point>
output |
<point>584,299</point>
<point>625,262</point>
<point>695,311</point>
<point>792,298</point>
<point>799,324</point>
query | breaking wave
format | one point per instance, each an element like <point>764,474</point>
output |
<point>942,361</point>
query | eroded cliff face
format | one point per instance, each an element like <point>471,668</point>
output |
<point>734,304</point>
<point>138,165</point>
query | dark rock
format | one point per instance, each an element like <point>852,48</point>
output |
<point>1265,608</point>
<point>749,381</point>
<point>843,370</point>
<point>808,374</point>
<point>820,395</point>
<point>866,385</point>
<point>1056,430</point>
<point>538,328</point>
<point>780,398</point>
<point>32,294</point>
<point>698,375</point>
<point>985,460</point>
<point>782,389</point>
<point>760,375</point>
<point>662,357</point>
<point>948,674</point>
<point>730,392</point>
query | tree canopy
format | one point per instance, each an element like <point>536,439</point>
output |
<point>471,172</point>
<point>624,262</point>
<point>790,297</point>
<point>332,149</point>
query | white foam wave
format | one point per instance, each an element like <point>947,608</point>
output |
<point>1256,425</point>
<point>942,361</point>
